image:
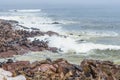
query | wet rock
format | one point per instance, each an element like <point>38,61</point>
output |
<point>50,33</point>
<point>23,27</point>
<point>53,49</point>
<point>79,35</point>
<point>82,40</point>
<point>35,28</point>
<point>55,23</point>
<point>13,21</point>
<point>9,61</point>
<point>15,42</point>
<point>71,33</point>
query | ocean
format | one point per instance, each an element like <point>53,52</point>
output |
<point>91,33</point>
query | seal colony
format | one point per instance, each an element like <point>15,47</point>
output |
<point>15,42</point>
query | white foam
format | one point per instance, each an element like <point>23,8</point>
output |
<point>6,75</point>
<point>25,10</point>
<point>85,47</point>
<point>42,23</point>
<point>69,44</point>
<point>68,22</point>
<point>20,77</point>
<point>99,33</point>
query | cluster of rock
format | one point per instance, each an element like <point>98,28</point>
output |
<point>15,42</point>
<point>61,69</point>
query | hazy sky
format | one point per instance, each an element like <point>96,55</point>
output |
<point>13,3</point>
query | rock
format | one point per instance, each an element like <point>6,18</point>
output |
<point>35,28</point>
<point>50,33</point>
<point>63,70</point>
<point>82,40</point>
<point>23,27</point>
<point>13,21</point>
<point>55,23</point>
<point>15,42</point>
<point>71,33</point>
<point>9,61</point>
<point>99,69</point>
<point>53,49</point>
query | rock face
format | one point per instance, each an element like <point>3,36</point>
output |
<point>61,69</point>
<point>15,42</point>
<point>55,23</point>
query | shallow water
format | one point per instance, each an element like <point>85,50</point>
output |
<point>111,55</point>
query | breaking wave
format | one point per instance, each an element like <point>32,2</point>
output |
<point>67,44</point>
<point>70,45</point>
<point>98,33</point>
<point>42,23</point>
<point>25,10</point>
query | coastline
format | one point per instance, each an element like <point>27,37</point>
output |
<point>15,42</point>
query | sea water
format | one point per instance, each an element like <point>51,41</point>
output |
<point>91,33</point>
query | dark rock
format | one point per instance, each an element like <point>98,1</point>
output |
<point>9,61</point>
<point>23,27</point>
<point>55,23</point>
<point>53,49</point>
<point>50,33</point>
<point>82,40</point>
<point>35,28</point>
<point>71,33</point>
<point>13,21</point>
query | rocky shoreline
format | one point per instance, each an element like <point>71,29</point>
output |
<point>61,69</point>
<point>15,42</point>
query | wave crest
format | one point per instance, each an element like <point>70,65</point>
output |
<point>25,10</point>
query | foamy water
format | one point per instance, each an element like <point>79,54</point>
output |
<point>70,45</point>
<point>42,23</point>
<point>30,18</point>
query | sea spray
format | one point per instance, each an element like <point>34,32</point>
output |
<point>39,19</point>
<point>67,44</point>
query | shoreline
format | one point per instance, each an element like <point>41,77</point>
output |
<point>16,42</point>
